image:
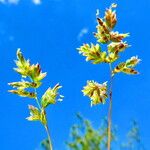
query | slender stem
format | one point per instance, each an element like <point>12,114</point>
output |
<point>46,126</point>
<point>110,110</point>
<point>36,98</point>
<point>48,134</point>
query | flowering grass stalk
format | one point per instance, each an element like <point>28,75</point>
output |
<point>98,93</point>
<point>31,80</point>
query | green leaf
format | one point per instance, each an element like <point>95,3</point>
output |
<point>86,137</point>
<point>50,96</point>
<point>45,144</point>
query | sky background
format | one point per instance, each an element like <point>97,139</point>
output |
<point>49,32</point>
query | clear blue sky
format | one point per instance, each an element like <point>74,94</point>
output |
<point>49,33</point>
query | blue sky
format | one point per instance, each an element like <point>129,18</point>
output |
<point>49,32</point>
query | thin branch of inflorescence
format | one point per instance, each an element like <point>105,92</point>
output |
<point>48,134</point>
<point>110,109</point>
<point>37,100</point>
